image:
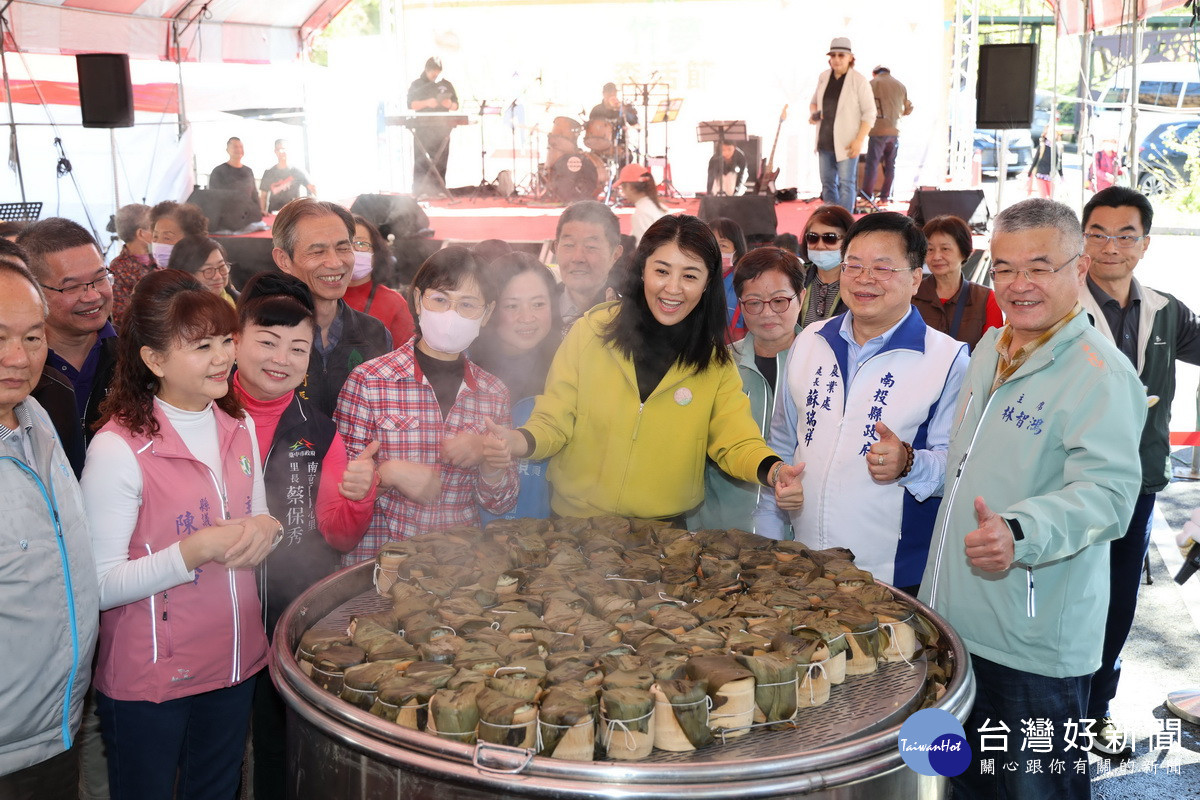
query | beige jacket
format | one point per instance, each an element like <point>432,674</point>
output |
<point>856,105</point>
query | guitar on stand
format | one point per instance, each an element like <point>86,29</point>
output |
<point>767,173</point>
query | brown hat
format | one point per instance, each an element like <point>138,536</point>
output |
<point>840,44</point>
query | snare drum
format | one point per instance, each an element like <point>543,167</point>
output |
<point>578,176</point>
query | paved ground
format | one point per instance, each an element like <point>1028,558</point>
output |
<point>1162,655</point>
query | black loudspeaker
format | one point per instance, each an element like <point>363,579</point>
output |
<point>754,213</point>
<point>226,209</point>
<point>966,204</point>
<point>105,91</point>
<point>1004,93</point>
<point>396,214</point>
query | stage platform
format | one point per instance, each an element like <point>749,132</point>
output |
<point>526,220</point>
<point>522,222</point>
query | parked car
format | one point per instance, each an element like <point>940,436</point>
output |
<point>1163,155</point>
<point>1020,151</point>
<point>1168,92</point>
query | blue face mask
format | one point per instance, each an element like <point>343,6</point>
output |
<point>825,260</point>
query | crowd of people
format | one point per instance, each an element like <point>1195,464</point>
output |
<point>182,459</point>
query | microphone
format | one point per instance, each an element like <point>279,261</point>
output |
<point>1190,564</point>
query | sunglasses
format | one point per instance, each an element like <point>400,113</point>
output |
<point>827,238</point>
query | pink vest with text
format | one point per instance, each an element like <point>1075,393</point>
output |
<point>203,635</point>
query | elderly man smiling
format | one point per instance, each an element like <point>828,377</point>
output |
<point>1045,474</point>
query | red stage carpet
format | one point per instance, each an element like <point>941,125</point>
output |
<point>527,221</point>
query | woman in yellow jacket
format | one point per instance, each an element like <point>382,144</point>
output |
<point>643,389</point>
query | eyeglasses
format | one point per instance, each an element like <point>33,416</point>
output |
<point>880,274</point>
<point>827,238</point>
<point>436,301</point>
<point>1101,240</point>
<point>219,271</point>
<point>79,289</point>
<point>1033,274</point>
<point>362,246</point>
<point>778,304</point>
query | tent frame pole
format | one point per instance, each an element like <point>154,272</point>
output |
<point>14,150</point>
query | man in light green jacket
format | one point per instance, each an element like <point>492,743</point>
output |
<point>1042,473</point>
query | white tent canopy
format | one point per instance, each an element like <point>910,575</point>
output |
<point>245,31</point>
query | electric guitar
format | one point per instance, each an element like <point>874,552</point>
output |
<point>767,173</point>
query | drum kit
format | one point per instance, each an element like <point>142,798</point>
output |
<point>571,172</point>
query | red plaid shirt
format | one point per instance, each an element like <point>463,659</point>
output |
<point>126,272</point>
<point>389,400</point>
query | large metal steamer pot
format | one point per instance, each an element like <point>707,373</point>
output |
<point>336,750</point>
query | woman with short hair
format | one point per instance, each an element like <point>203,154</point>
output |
<point>948,302</point>
<point>204,259</point>
<point>428,406</point>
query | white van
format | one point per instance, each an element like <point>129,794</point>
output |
<point>1168,91</point>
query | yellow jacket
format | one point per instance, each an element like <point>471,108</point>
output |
<point>612,454</point>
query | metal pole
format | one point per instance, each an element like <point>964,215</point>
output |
<point>12,120</point>
<point>1085,146</point>
<point>1133,95</point>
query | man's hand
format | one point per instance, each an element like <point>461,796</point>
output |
<point>463,449</point>
<point>359,476</point>
<point>887,457</point>
<point>789,490</point>
<point>990,546</point>
<point>417,482</point>
<point>855,149</point>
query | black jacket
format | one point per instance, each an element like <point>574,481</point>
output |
<point>363,338</point>
<point>57,396</point>
<point>292,473</point>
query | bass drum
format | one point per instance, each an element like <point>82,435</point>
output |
<point>598,136</point>
<point>564,135</point>
<point>578,176</point>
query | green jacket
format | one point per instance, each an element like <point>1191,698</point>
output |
<point>729,502</point>
<point>1054,452</point>
<point>1167,330</point>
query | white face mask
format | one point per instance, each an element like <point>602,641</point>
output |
<point>726,262</point>
<point>362,265</point>
<point>161,253</point>
<point>448,331</point>
<point>825,259</point>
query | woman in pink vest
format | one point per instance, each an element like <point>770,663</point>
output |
<point>178,513</point>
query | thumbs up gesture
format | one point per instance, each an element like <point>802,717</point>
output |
<point>359,477</point>
<point>887,457</point>
<point>789,489</point>
<point>990,546</point>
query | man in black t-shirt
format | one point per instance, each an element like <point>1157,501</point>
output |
<point>233,175</point>
<point>432,152</point>
<point>281,183</point>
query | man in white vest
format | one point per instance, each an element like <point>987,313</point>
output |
<point>867,405</point>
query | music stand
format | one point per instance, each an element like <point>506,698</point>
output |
<point>484,188</point>
<point>668,110</point>
<point>721,131</point>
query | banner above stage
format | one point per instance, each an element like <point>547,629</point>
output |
<point>1102,14</point>
<point>186,30</point>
